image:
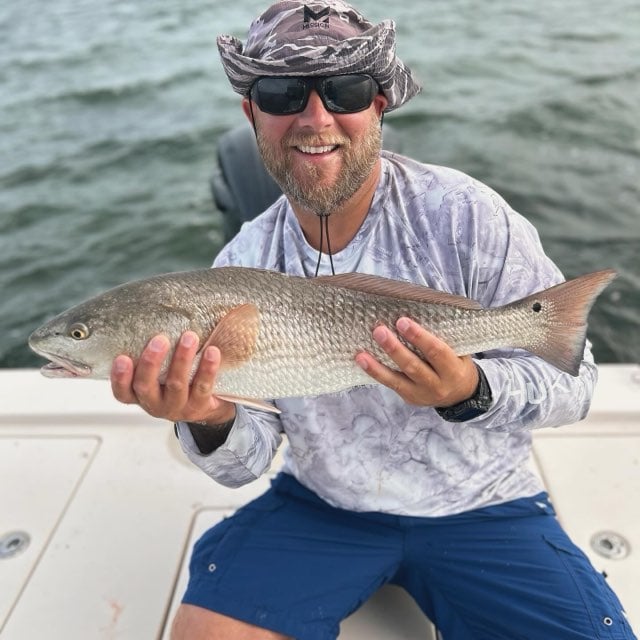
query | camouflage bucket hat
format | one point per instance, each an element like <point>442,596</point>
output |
<point>317,38</point>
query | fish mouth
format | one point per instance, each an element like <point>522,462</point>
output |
<point>61,367</point>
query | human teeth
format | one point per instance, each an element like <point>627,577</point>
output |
<point>324,149</point>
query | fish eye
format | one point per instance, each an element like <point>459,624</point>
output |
<point>79,331</point>
<point>537,307</point>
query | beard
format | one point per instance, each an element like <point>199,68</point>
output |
<point>305,186</point>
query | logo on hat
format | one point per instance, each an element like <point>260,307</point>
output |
<point>313,20</point>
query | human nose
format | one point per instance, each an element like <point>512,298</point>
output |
<point>315,113</point>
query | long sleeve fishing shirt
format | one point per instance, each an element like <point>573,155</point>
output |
<point>366,449</point>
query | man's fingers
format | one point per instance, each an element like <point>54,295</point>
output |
<point>179,397</point>
<point>122,379</point>
<point>204,378</point>
<point>436,353</point>
<point>176,385</point>
<point>382,374</point>
<point>408,362</point>
<point>457,376</point>
<point>146,385</point>
<point>438,378</point>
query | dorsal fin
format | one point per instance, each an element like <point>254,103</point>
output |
<point>376,285</point>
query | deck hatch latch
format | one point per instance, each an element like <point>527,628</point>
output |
<point>13,543</point>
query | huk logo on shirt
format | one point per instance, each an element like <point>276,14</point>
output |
<point>313,20</point>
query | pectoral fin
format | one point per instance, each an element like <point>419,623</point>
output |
<point>236,336</point>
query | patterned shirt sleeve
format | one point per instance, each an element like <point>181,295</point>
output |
<point>245,455</point>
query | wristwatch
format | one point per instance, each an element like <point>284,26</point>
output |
<point>476,405</point>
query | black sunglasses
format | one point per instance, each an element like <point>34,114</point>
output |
<point>340,94</point>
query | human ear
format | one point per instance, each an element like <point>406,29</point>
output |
<point>380,103</point>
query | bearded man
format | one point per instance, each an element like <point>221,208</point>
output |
<point>421,480</point>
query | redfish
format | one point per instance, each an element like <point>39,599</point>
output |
<point>286,336</point>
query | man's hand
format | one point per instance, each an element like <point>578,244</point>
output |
<point>443,379</point>
<point>176,399</point>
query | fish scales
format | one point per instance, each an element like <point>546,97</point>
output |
<point>331,326</point>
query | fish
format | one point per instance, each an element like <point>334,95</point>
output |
<point>288,336</point>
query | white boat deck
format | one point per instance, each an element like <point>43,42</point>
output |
<point>109,509</point>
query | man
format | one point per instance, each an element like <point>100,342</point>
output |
<point>421,480</point>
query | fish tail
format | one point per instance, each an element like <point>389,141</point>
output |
<point>565,308</point>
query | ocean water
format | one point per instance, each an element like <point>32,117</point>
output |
<point>110,112</point>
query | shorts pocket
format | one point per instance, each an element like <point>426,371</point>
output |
<point>214,553</point>
<point>605,611</point>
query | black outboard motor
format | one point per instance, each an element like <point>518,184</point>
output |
<point>241,187</point>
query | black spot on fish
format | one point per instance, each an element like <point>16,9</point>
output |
<point>537,307</point>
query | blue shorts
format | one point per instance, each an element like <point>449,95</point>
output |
<point>293,564</point>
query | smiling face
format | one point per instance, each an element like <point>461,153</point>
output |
<point>320,159</point>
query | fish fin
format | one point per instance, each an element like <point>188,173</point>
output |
<point>377,285</point>
<point>249,402</point>
<point>235,335</point>
<point>567,306</point>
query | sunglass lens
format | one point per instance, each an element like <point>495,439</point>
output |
<point>348,93</point>
<point>279,96</point>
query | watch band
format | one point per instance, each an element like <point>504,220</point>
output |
<point>479,403</point>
